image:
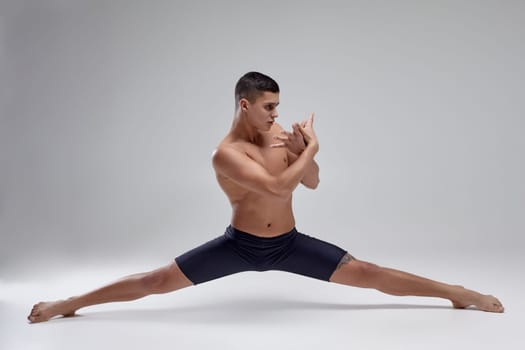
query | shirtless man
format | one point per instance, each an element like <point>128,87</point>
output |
<point>258,165</point>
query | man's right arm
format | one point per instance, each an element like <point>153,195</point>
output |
<point>243,170</point>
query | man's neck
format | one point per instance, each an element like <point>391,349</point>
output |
<point>242,130</point>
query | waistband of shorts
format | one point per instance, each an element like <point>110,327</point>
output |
<point>238,234</point>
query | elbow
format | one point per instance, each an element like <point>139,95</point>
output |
<point>311,184</point>
<point>315,184</point>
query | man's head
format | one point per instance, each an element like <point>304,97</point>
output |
<point>256,100</point>
<point>252,85</point>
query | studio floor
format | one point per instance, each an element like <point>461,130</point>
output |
<point>270,310</point>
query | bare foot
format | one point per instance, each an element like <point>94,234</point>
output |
<point>43,311</point>
<point>466,298</point>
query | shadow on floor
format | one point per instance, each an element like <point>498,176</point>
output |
<point>241,310</point>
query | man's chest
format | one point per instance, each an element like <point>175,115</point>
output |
<point>274,160</point>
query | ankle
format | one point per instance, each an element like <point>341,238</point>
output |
<point>72,303</point>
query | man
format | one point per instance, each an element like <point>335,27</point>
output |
<point>258,165</point>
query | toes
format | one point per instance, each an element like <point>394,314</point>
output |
<point>496,307</point>
<point>497,304</point>
<point>499,307</point>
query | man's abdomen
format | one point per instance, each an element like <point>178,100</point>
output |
<point>263,217</point>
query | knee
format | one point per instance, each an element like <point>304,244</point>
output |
<point>358,273</point>
<point>367,271</point>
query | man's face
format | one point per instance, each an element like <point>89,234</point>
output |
<point>262,112</point>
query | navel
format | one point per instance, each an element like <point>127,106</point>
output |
<point>269,225</point>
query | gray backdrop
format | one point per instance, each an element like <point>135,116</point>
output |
<point>110,111</point>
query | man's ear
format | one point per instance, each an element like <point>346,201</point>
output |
<point>243,104</point>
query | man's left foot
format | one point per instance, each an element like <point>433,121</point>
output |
<point>482,302</point>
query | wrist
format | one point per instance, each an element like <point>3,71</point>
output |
<point>299,151</point>
<point>314,145</point>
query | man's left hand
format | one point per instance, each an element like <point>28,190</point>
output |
<point>294,140</point>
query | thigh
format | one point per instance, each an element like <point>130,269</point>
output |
<point>165,279</point>
<point>312,257</point>
<point>211,260</point>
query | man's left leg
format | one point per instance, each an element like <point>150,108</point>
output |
<point>357,273</point>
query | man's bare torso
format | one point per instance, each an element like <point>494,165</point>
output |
<point>256,213</point>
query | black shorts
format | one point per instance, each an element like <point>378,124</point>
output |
<point>238,251</point>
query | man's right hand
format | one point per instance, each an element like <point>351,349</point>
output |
<point>307,130</point>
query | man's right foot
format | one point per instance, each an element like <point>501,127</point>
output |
<point>43,311</point>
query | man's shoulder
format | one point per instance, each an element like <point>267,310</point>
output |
<point>276,128</point>
<point>225,151</point>
<point>227,146</point>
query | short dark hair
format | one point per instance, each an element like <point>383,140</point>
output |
<point>253,84</point>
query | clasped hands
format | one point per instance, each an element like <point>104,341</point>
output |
<point>302,133</point>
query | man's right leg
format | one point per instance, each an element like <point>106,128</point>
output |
<point>163,280</point>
